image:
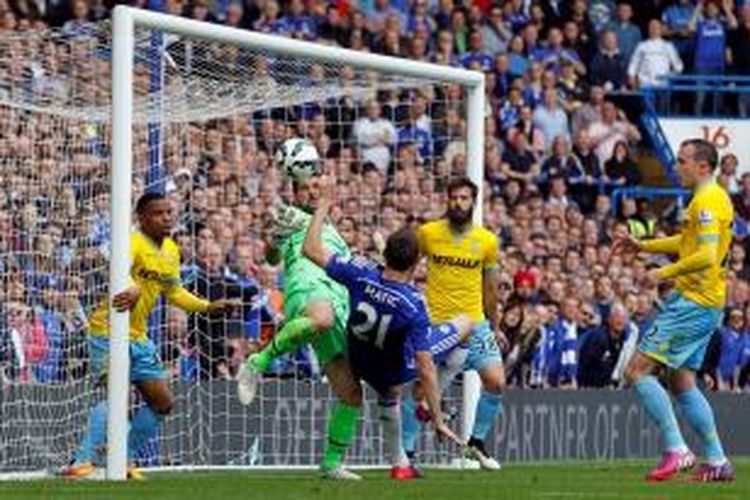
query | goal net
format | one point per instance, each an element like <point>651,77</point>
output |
<point>209,107</point>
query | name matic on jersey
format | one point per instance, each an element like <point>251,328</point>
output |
<point>451,260</point>
<point>381,296</point>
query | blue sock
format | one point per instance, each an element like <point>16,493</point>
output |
<point>96,434</point>
<point>142,428</point>
<point>409,424</point>
<point>659,408</point>
<point>489,407</point>
<point>700,417</point>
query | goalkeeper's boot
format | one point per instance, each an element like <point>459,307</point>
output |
<point>78,470</point>
<point>248,379</point>
<point>672,462</point>
<point>401,473</point>
<point>340,474</point>
<point>135,474</point>
<point>475,451</point>
<point>708,473</point>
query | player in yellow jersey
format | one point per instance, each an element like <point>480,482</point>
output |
<point>462,278</point>
<point>155,271</point>
<point>678,339</point>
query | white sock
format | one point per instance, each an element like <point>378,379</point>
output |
<point>453,365</point>
<point>390,416</point>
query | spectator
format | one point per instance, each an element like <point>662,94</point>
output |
<point>676,19</point>
<point>551,118</point>
<point>27,341</point>
<point>477,55</point>
<point>552,56</point>
<point>297,24</point>
<point>653,59</point>
<point>80,25</point>
<point>628,34</point>
<point>732,344</point>
<point>621,170</point>
<point>213,334</point>
<point>741,201</point>
<point>589,112</point>
<point>561,163</point>
<point>727,177</point>
<point>609,66</point>
<point>269,21</point>
<point>558,193</point>
<point>518,62</point>
<point>710,45</point>
<point>605,351</point>
<point>519,163</point>
<point>495,32</point>
<point>534,136</point>
<point>419,19</point>
<point>375,136</point>
<point>605,134</point>
<point>560,352</point>
<point>379,15</point>
<point>572,88</point>
<point>642,224</point>
<point>739,43</point>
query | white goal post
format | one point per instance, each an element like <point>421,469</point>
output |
<point>125,21</point>
<point>91,119</point>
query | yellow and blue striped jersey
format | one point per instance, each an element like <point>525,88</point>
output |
<point>156,271</point>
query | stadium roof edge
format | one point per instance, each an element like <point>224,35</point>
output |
<point>297,48</point>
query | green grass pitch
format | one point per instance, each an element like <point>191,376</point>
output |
<point>541,481</point>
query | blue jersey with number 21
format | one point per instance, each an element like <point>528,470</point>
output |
<point>388,322</point>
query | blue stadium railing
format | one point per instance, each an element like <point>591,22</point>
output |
<point>663,101</point>
<point>680,195</point>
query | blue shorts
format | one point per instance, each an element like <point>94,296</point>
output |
<point>483,348</point>
<point>145,362</point>
<point>681,332</point>
<point>443,339</point>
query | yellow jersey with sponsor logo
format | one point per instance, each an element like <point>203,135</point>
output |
<point>155,270</point>
<point>455,267</point>
<point>708,219</point>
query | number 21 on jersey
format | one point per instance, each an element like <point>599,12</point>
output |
<point>374,328</point>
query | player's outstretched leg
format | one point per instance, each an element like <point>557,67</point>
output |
<point>146,421</point>
<point>484,357</point>
<point>297,332</point>
<point>700,417</point>
<point>450,347</point>
<point>342,419</point>
<point>658,406</point>
<point>93,441</point>
<point>390,418</point>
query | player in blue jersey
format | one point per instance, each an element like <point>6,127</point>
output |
<point>390,341</point>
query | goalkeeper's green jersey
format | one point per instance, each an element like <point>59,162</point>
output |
<point>300,274</point>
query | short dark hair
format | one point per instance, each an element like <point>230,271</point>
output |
<point>463,182</point>
<point>703,151</point>
<point>402,249</point>
<point>145,200</point>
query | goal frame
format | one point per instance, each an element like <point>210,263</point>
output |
<point>124,22</point>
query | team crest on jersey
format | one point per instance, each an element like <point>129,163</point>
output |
<point>705,217</point>
<point>475,246</point>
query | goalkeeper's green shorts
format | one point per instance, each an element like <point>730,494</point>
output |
<point>329,345</point>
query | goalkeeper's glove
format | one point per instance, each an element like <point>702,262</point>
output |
<point>287,220</point>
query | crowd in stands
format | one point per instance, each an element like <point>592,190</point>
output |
<point>556,148</point>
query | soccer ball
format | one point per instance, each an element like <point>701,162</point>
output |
<point>298,159</point>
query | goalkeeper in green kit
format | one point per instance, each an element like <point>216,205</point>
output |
<point>316,310</point>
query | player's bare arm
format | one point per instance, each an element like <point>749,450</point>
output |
<point>313,247</point>
<point>127,299</point>
<point>429,383</point>
<point>490,299</point>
